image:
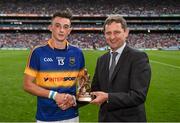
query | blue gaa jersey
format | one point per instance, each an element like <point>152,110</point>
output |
<point>55,69</point>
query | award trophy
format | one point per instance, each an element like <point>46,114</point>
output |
<point>84,88</point>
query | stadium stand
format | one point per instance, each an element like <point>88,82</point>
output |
<point>81,7</point>
<point>152,23</point>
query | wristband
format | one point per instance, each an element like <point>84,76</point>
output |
<point>52,94</point>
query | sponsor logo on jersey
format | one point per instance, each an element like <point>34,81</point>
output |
<point>58,79</point>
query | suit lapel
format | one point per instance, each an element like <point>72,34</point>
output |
<point>107,63</point>
<point>119,64</point>
<point>107,60</point>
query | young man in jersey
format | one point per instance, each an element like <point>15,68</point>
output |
<point>51,72</point>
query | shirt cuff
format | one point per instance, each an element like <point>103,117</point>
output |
<point>75,103</point>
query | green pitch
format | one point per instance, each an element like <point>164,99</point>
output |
<point>163,101</point>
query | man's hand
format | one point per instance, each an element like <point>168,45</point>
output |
<point>101,97</point>
<point>60,98</point>
<point>64,101</point>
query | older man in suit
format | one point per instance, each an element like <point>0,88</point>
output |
<point>121,78</point>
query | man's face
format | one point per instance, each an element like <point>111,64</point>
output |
<point>115,35</point>
<point>60,28</point>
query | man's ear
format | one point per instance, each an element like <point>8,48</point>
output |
<point>50,27</point>
<point>70,29</point>
<point>126,32</point>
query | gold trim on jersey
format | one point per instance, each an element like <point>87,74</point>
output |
<point>30,71</point>
<point>51,44</point>
<point>55,79</point>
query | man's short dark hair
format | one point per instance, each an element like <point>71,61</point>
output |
<point>117,19</point>
<point>64,14</point>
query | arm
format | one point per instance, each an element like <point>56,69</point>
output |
<point>30,87</point>
<point>63,100</point>
<point>100,97</point>
<point>95,82</point>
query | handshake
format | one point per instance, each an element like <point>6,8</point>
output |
<point>63,100</point>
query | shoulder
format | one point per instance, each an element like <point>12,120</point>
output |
<point>135,52</point>
<point>38,49</point>
<point>104,57</point>
<point>75,49</point>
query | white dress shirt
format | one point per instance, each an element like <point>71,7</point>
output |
<point>119,51</point>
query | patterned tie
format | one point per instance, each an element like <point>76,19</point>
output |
<point>113,64</point>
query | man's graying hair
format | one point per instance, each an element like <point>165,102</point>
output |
<point>117,19</point>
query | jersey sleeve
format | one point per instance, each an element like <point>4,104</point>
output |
<point>82,61</point>
<point>32,66</point>
<point>82,64</point>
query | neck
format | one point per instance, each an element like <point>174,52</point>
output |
<point>59,44</point>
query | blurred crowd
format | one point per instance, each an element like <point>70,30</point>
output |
<point>154,40</point>
<point>81,7</point>
<point>90,40</point>
<point>91,7</point>
<point>94,25</point>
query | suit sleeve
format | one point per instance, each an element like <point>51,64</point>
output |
<point>95,85</point>
<point>140,75</point>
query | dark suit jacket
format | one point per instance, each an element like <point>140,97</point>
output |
<point>127,88</point>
